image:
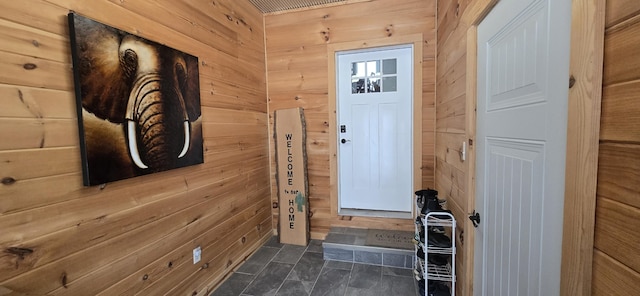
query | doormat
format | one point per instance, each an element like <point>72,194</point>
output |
<point>394,239</point>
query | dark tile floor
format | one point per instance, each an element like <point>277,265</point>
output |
<point>288,270</point>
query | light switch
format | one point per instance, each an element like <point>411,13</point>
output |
<point>197,252</point>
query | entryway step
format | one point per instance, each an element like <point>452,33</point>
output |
<point>370,246</point>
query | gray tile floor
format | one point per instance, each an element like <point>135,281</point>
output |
<point>287,270</point>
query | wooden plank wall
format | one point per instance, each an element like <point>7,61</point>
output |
<point>133,236</point>
<point>297,71</point>
<point>451,126</point>
<point>616,260</point>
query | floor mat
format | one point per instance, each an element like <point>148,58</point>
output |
<point>389,239</point>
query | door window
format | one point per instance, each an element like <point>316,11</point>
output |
<point>374,76</point>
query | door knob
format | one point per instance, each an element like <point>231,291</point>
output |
<point>475,218</point>
<point>344,141</point>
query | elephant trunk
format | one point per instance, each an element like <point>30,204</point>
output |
<point>152,122</point>
<point>156,113</point>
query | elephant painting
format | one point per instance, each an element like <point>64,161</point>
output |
<point>138,103</point>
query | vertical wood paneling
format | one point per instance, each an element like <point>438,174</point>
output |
<point>616,269</point>
<point>298,77</point>
<point>135,235</point>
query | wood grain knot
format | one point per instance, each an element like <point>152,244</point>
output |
<point>63,279</point>
<point>325,35</point>
<point>389,30</point>
<point>244,239</point>
<point>35,43</point>
<point>145,277</point>
<point>194,293</point>
<point>229,263</point>
<point>274,205</point>
<point>29,66</point>
<point>8,181</point>
<point>572,81</point>
<point>205,266</point>
<point>194,220</point>
<point>20,252</point>
<point>170,264</point>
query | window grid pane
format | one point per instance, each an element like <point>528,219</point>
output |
<point>389,66</point>
<point>374,76</point>
<point>389,84</point>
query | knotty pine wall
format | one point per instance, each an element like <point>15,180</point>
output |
<point>133,236</point>
<point>297,71</point>
<point>616,258</point>
<point>450,172</point>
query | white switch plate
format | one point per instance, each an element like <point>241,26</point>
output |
<point>197,252</point>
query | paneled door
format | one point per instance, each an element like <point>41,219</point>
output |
<point>375,132</point>
<point>523,82</point>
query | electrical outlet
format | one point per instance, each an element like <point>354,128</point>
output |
<point>197,252</point>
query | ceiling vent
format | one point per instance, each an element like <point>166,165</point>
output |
<point>267,6</point>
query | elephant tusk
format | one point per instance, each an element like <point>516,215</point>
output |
<point>187,138</point>
<point>133,145</point>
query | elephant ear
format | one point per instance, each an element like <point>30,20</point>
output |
<point>191,92</point>
<point>104,85</point>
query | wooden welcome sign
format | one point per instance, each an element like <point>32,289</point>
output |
<point>293,190</point>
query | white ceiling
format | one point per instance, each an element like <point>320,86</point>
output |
<point>267,6</point>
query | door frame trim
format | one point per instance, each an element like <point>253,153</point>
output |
<point>583,139</point>
<point>332,49</point>
<point>583,134</point>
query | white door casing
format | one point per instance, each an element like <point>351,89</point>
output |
<point>375,132</point>
<point>523,74</point>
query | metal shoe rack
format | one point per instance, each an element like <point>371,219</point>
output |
<point>432,272</point>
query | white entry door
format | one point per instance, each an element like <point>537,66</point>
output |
<point>523,82</point>
<point>374,93</point>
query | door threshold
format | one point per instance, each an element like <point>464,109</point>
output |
<point>375,213</point>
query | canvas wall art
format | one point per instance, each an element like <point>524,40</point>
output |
<point>138,103</point>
